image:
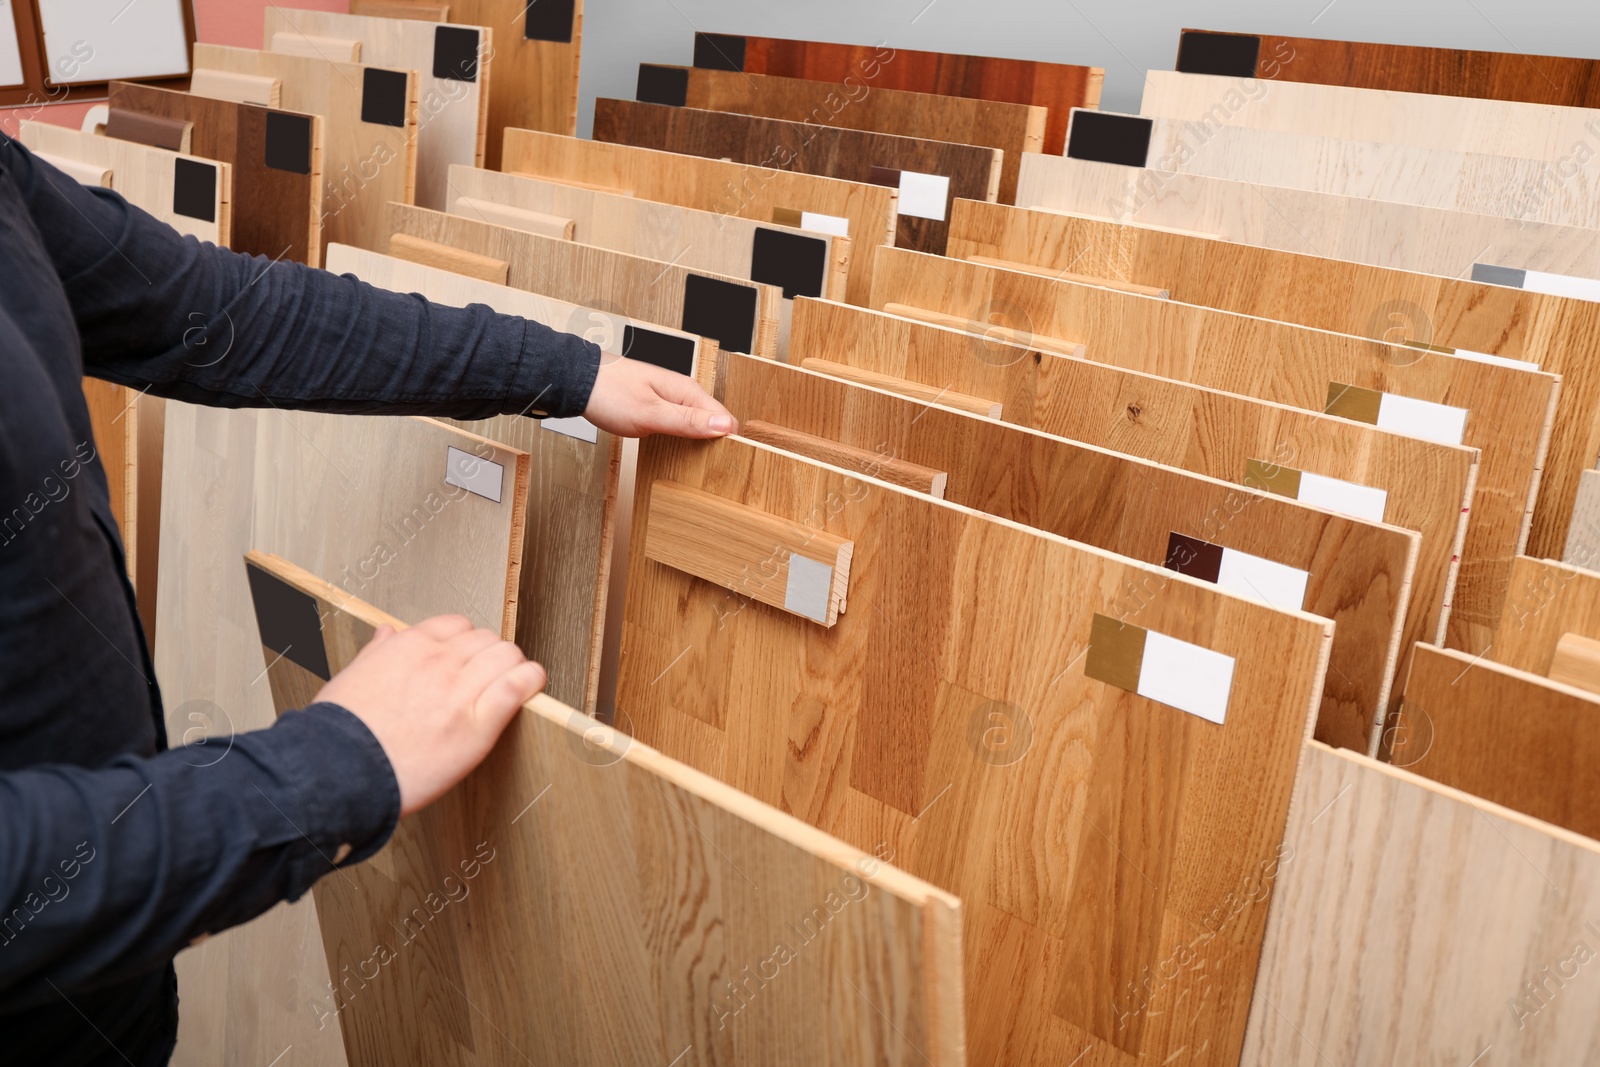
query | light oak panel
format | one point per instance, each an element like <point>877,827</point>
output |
<point>1545,601</point>
<point>533,79</point>
<point>1577,663</point>
<point>401,9</point>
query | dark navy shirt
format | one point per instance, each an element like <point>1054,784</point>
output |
<point>116,853</point>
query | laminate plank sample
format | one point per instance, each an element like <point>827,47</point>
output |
<point>1506,410</point>
<point>1555,334</point>
<point>276,158</point>
<point>1059,87</point>
<point>1545,601</point>
<point>1354,572</point>
<point>1011,128</point>
<point>452,63</point>
<point>953,717</point>
<point>1332,462</point>
<point>1583,534</point>
<point>1403,68</point>
<point>1577,663</point>
<point>1365,960</point>
<point>927,173</point>
<point>370,132</point>
<point>741,315</point>
<point>866,214</point>
<point>692,894</point>
<point>401,9</point>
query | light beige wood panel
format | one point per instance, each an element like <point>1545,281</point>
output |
<point>1427,486</point>
<point>401,9</point>
<point>1507,410</point>
<point>1402,236</point>
<point>534,72</point>
<point>148,178</point>
<point>708,927</point>
<point>1378,950</point>
<point>649,290</point>
<point>453,107</point>
<point>240,88</point>
<point>1583,533</point>
<point>758,193</point>
<point>1545,600</point>
<point>1356,573</point>
<point>1577,663</point>
<point>951,717</point>
<point>1556,333</point>
<point>366,160</point>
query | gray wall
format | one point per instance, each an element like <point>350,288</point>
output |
<point>1125,38</point>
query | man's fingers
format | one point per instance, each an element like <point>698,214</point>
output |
<point>683,421</point>
<point>462,647</point>
<point>443,627</point>
<point>509,692</point>
<point>487,664</point>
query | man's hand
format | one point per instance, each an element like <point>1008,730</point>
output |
<point>633,399</point>
<point>436,696</point>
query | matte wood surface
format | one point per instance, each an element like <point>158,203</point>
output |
<point>1377,949</point>
<point>688,888</point>
<point>1418,69</point>
<point>243,88</point>
<point>1504,735</point>
<point>1557,333</point>
<point>643,289</point>
<point>401,9</point>
<point>756,193</point>
<point>293,43</point>
<point>444,257</point>
<point>1011,128</point>
<point>885,468</point>
<point>976,405</point>
<point>148,178</point>
<point>854,155</point>
<point>453,87</point>
<point>277,212</point>
<point>947,720</point>
<point>1177,423</point>
<point>1583,534</point>
<point>1546,601</point>
<point>1509,408</point>
<point>175,135</point>
<point>1577,663</point>
<point>1359,571</point>
<point>1401,236</point>
<point>366,164</point>
<point>1058,87</point>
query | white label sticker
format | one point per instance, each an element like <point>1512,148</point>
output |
<point>1498,361</point>
<point>810,584</point>
<point>1347,498</point>
<point>924,196</point>
<point>1278,584</point>
<point>481,476</point>
<point>577,426</point>
<point>1562,285</point>
<point>810,220</point>
<point>1185,676</point>
<point>1422,418</point>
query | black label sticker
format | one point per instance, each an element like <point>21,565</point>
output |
<point>383,97</point>
<point>1194,557</point>
<point>718,51</point>
<point>1227,55</point>
<point>662,349</point>
<point>1103,137</point>
<point>722,311</point>
<point>194,189</point>
<point>455,53</point>
<point>289,142</point>
<point>289,622</point>
<point>662,85</point>
<point>1515,277</point>
<point>794,263</point>
<point>550,20</point>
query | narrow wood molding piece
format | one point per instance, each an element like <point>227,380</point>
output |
<point>173,134</point>
<point>399,9</point>
<point>312,46</point>
<point>799,569</point>
<point>885,468</point>
<point>1577,662</point>
<point>444,257</point>
<point>991,330</point>
<point>1068,276</point>
<point>240,88</point>
<point>79,171</point>
<point>517,218</point>
<point>1545,601</point>
<point>977,405</point>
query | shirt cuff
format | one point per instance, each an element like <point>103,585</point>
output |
<point>555,373</point>
<point>346,786</point>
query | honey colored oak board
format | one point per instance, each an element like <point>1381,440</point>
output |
<point>950,720</point>
<point>927,173</point>
<point>1356,573</point>
<point>1544,601</point>
<point>640,911</point>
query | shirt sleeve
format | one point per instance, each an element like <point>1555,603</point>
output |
<point>194,322</point>
<point>109,872</point>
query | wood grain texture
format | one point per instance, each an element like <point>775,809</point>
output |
<point>175,135</point>
<point>1059,87</point>
<point>1428,485</point>
<point>693,892</point>
<point>444,257</point>
<point>533,84</point>
<point>733,189</point>
<point>83,173</point>
<point>972,171</point>
<point>885,468</point>
<point>1557,333</point>
<point>1011,128</point>
<point>365,164</point>
<point>1360,572</point>
<point>644,289</point>
<point>947,719</point>
<point>1545,602</point>
<point>114,416</point>
<point>401,9</point>
<point>1583,533</point>
<point>1577,663</point>
<point>311,46</point>
<point>1509,408</point>
<point>1377,951</point>
<point>276,213</point>
<point>241,88</point>
<point>976,405</point>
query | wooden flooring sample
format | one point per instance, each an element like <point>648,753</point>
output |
<point>1366,961</point>
<point>865,214</point>
<point>1249,541</point>
<point>128,429</point>
<point>1058,87</point>
<point>1583,534</point>
<point>452,65</point>
<point>927,173</point>
<point>742,316</point>
<point>953,717</point>
<point>276,158</point>
<point>1545,601</point>
<point>1506,411</point>
<point>695,899</point>
<point>1554,333</point>
<point>369,127</point>
<point>1398,67</point>
<point>1011,128</point>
